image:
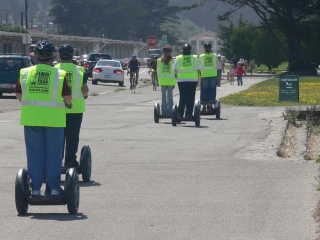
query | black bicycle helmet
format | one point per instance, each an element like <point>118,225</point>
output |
<point>44,50</point>
<point>186,49</point>
<point>207,45</point>
<point>66,51</point>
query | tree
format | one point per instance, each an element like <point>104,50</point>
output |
<point>265,51</point>
<point>225,36</point>
<point>288,17</point>
<point>241,41</point>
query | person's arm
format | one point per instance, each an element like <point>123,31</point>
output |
<point>66,93</point>
<point>85,88</point>
<point>18,90</point>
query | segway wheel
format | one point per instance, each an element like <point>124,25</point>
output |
<point>197,115</point>
<point>72,190</point>
<point>174,116</point>
<point>22,191</point>
<point>218,109</point>
<point>86,163</point>
<point>156,113</point>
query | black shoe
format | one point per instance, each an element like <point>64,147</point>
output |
<point>73,164</point>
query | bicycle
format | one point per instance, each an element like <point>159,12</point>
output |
<point>134,81</point>
<point>154,80</point>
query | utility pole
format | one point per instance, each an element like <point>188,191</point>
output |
<point>26,12</point>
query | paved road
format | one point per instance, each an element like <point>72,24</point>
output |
<point>221,180</point>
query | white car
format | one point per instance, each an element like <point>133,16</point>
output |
<point>108,71</point>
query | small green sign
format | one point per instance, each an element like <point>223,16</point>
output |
<point>289,88</point>
<point>164,39</point>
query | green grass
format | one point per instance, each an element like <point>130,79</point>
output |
<point>266,94</point>
<point>278,70</point>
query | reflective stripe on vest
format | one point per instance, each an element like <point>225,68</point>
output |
<point>165,78</point>
<point>188,73</point>
<point>53,102</point>
<point>208,62</point>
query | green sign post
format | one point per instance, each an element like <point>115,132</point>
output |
<point>289,88</point>
<point>164,39</point>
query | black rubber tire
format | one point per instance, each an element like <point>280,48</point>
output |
<point>121,84</point>
<point>94,82</point>
<point>156,113</point>
<point>174,116</point>
<point>73,192</point>
<point>197,116</point>
<point>218,112</point>
<point>22,192</point>
<point>86,163</point>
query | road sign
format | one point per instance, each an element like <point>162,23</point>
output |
<point>164,39</point>
<point>152,41</point>
<point>289,88</point>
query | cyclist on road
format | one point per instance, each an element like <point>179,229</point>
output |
<point>153,68</point>
<point>77,80</point>
<point>134,66</point>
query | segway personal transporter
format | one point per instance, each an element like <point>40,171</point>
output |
<point>70,195</point>
<point>215,111</point>
<point>85,165</point>
<point>195,118</point>
<point>157,115</point>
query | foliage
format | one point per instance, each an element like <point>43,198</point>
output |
<point>186,28</point>
<point>297,20</point>
<point>12,28</point>
<point>265,51</point>
<point>126,19</point>
<point>266,93</point>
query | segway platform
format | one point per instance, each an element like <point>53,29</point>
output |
<point>157,115</point>
<point>216,111</point>
<point>195,118</point>
<point>85,164</point>
<point>69,196</point>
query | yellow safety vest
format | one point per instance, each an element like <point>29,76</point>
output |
<point>75,80</point>
<point>165,73</point>
<point>208,62</point>
<point>187,67</point>
<point>42,103</point>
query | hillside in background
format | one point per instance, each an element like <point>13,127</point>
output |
<point>207,16</point>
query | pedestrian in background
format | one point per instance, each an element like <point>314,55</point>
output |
<point>220,69</point>
<point>235,61</point>
<point>232,73</point>
<point>239,72</point>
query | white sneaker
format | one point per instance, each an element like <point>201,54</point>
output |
<point>55,192</point>
<point>35,193</point>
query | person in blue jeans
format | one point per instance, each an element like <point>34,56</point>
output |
<point>44,94</point>
<point>209,63</point>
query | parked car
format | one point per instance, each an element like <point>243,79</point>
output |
<point>318,71</point>
<point>108,71</point>
<point>123,64</point>
<point>92,60</point>
<point>10,66</point>
<point>83,59</point>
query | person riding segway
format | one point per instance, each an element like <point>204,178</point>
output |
<point>187,71</point>
<point>167,81</point>
<point>77,80</point>
<point>209,63</point>
<point>44,93</point>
